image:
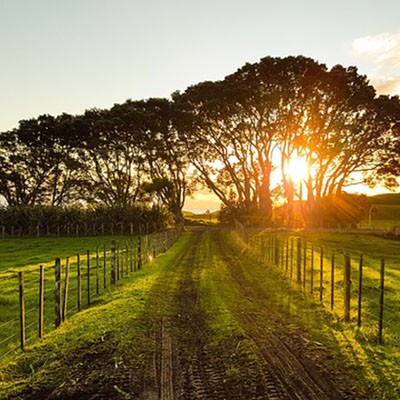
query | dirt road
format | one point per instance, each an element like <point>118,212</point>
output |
<point>215,330</point>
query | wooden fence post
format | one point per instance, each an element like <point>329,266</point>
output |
<point>121,259</point>
<point>304,264</point>
<point>97,271</point>
<point>312,271</point>
<point>381,300</point>
<point>22,309</point>
<point>41,301</point>
<point>113,263</point>
<point>291,257</point>
<point>360,278</point>
<point>272,249</point>
<point>131,255</point>
<point>104,266</point>
<point>333,280</point>
<point>127,258</point>
<point>347,287</point>
<point>298,261</point>
<point>321,274</point>
<point>65,292</point>
<point>139,253</point>
<point>79,282</point>
<point>118,261</point>
<point>287,257</point>
<point>57,293</point>
<point>88,277</point>
<point>276,251</point>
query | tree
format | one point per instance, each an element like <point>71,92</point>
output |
<point>269,112</point>
<point>164,156</point>
<point>37,164</point>
<point>240,123</point>
<point>114,161</point>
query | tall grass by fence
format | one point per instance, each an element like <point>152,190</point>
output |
<point>358,289</point>
<point>77,229</point>
<point>36,300</point>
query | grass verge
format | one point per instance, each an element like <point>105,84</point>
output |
<point>97,346</point>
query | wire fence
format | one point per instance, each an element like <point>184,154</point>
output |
<point>362,290</point>
<point>34,302</point>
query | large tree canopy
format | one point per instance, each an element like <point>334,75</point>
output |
<point>242,136</point>
<point>269,112</point>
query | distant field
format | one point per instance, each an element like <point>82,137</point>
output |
<point>386,198</point>
<point>212,217</point>
<point>386,214</point>
<point>18,253</point>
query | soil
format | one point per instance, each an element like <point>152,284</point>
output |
<point>184,362</point>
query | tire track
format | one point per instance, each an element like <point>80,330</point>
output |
<point>199,370</point>
<point>287,375</point>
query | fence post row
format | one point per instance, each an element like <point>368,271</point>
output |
<point>136,254</point>
<point>269,248</point>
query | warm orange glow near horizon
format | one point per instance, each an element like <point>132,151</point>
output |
<point>298,168</point>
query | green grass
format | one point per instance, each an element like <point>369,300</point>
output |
<point>131,310</point>
<point>18,253</point>
<point>381,362</point>
<point>386,198</point>
<point>60,355</point>
<point>386,213</point>
<point>387,216</point>
<point>211,218</point>
<point>45,250</point>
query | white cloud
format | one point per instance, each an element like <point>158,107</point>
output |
<point>386,85</point>
<point>383,51</point>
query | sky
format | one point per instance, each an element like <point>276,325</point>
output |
<point>67,56</point>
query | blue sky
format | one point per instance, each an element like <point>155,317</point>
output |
<point>72,55</point>
<point>67,56</point>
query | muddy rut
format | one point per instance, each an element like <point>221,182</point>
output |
<point>197,370</point>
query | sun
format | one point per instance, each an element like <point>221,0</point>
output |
<point>297,169</point>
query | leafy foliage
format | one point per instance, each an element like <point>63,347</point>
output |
<point>235,133</point>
